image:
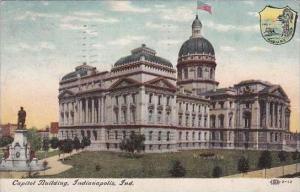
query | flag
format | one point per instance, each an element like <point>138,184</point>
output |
<point>203,6</point>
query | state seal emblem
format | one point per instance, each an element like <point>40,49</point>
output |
<point>278,25</point>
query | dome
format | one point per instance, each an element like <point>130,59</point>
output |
<point>198,45</point>
<point>143,53</point>
<point>196,22</point>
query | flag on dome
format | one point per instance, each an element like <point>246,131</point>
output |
<point>203,6</point>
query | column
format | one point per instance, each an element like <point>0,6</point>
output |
<point>93,110</point>
<point>273,115</point>
<point>283,117</point>
<point>267,114</point>
<point>79,111</point>
<point>86,110</point>
<point>103,109</point>
<point>99,110</point>
<point>155,98</point>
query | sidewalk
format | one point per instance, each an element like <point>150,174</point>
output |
<point>55,163</point>
<point>271,173</point>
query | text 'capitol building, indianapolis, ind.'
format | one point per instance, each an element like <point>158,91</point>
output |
<point>175,110</point>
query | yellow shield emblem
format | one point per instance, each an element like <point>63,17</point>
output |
<point>278,25</point>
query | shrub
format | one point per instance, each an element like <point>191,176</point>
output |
<point>243,165</point>
<point>217,172</point>
<point>177,169</point>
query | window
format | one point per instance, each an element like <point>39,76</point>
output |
<point>117,100</point>
<point>222,105</point>
<point>150,115</point>
<point>150,147</point>
<point>95,134</point>
<point>211,73</point>
<point>124,116</point>
<point>108,137</point>
<point>187,107</point>
<point>159,100</point>
<point>213,121</point>
<point>82,133</point>
<point>193,121</point>
<point>159,136</point>
<point>133,98</point>
<point>186,73</point>
<point>150,135</point>
<point>199,135</point>
<point>187,136</point>
<point>159,116</point>
<point>193,135</point>
<point>125,98</point>
<point>150,98</point>
<point>180,135</point>
<point>180,106</point>
<point>124,134</point>
<point>199,72</point>
<point>205,121</point>
<point>116,135</point>
<point>205,136</point>
<point>230,104</point>
<point>167,117</point>
<point>168,136</point>
<point>168,101</point>
<point>180,120</point>
<point>117,116</point>
<point>193,108</point>
<point>221,120</point>
<point>187,120</point>
<point>199,120</point>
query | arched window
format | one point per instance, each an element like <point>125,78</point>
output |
<point>159,136</point>
<point>213,121</point>
<point>95,134</point>
<point>199,72</point>
<point>199,135</point>
<point>168,136</point>
<point>187,136</point>
<point>150,116</point>
<point>221,120</point>
<point>186,73</point>
<point>211,74</point>
<point>180,135</point>
<point>150,135</point>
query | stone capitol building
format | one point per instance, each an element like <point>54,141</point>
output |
<point>179,109</point>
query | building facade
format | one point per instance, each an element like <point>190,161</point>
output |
<point>175,109</point>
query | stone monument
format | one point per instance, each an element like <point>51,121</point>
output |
<point>18,157</point>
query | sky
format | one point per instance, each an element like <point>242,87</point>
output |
<point>43,40</point>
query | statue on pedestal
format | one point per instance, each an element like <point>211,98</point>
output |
<point>21,118</point>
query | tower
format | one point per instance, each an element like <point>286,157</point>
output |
<point>196,62</point>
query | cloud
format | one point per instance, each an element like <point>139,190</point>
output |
<point>35,15</point>
<point>228,28</point>
<point>159,6</point>
<point>249,2</point>
<point>178,14</point>
<point>33,47</point>
<point>87,18</point>
<point>254,14</point>
<point>258,49</point>
<point>169,42</point>
<point>69,26</point>
<point>127,40</point>
<point>163,27</point>
<point>126,6</point>
<point>227,48</point>
<point>45,3</point>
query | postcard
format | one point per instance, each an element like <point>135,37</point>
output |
<point>149,95</point>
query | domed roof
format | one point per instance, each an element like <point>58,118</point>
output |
<point>143,53</point>
<point>197,45</point>
<point>196,22</point>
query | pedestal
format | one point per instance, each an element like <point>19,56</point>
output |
<point>19,155</point>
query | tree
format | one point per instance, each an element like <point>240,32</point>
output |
<point>76,143</point>
<point>6,140</point>
<point>86,141</point>
<point>265,161</point>
<point>177,169</point>
<point>134,143</point>
<point>45,146</point>
<point>243,165</point>
<point>295,156</point>
<point>66,146</point>
<point>282,155</point>
<point>34,139</point>
<point>217,172</point>
<point>54,142</point>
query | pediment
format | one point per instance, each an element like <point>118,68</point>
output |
<point>123,83</point>
<point>161,82</point>
<point>278,91</point>
<point>66,93</point>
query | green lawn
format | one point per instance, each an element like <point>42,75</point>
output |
<point>116,165</point>
<point>41,154</point>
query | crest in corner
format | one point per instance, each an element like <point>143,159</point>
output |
<point>278,25</point>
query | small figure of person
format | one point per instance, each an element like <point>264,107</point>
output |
<point>21,118</point>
